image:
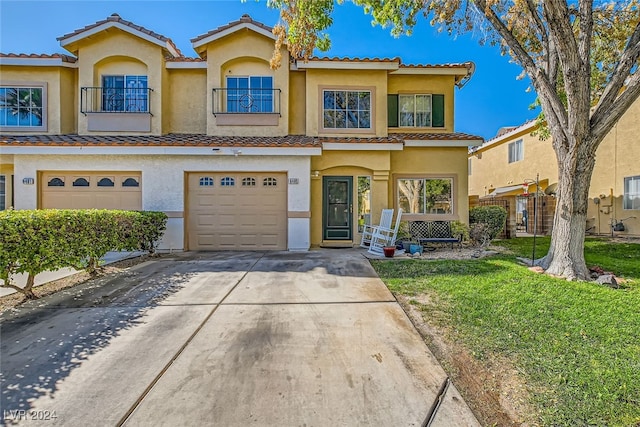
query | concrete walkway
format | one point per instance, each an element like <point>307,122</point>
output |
<point>225,339</point>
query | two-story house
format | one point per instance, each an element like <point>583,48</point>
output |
<point>239,156</point>
<point>505,167</point>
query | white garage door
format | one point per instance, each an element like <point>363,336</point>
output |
<point>237,211</point>
<point>90,190</point>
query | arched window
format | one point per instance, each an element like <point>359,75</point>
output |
<point>227,181</point>
<point>81,182</point>
<point>206,181</point>
<point>248,182</point>
<point>130,182</point>
<point>56,182</point>
<point>105,182</point>
<point>270,182</point>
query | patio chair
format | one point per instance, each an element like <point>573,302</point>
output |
<point>385,221</point>
<point>383,237</point>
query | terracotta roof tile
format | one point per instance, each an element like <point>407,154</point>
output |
<point>64,58</point>
<point>116,18</point>
<point>244,19</point>
<point>199,140</point>
<point>354,59</point>
<point>169,140</point>
<point>455,136</point>
<point>185,59</point>
<point>451,65</point>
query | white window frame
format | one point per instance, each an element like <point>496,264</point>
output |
<point>134,99</point>
<point>631,198</point>
<point>247,97</point>
<point>516,151</point>
<point>405,111</point>
<point>424,214</point>
<point>335,110</point>
<point>28,85</point>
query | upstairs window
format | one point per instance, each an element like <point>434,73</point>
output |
<point>125,94</point>
<point>516,151</point>
<point>415,110</point>
<point>344,109</point>
<point>22,107</point>
<point>252,94</point>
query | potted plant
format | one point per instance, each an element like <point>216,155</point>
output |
<point>389,251</point>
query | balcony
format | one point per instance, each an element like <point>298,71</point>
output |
<point>242,107</point>
<point>116,109</point>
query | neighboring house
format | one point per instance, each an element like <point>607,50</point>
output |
<point>499,168</point>
<point>238,155</point>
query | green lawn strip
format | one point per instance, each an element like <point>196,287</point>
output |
<point>577,343</point>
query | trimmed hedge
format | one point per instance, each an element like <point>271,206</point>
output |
<point>493,217</point>
<point>33,241</point>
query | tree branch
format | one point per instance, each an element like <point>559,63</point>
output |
<point>605,118</point>
<point>554,110</point>
<point>627,61</point>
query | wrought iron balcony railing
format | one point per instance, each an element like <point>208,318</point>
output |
<point>115,100</point>
<point>246,101</point>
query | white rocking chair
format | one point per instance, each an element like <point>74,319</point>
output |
<point>385,221</point>
<point>384,237</point>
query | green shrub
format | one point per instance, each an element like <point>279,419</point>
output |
<point>34,241</point>
<point>460,229</point>
<point>493,216</point>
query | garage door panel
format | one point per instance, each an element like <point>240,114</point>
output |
<point>242,216</point>
<point>68,190</point>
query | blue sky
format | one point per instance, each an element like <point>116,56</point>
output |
<point>492,99</point>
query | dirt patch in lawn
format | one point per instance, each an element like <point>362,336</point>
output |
<point>14,300</point>
<point>492,387</point>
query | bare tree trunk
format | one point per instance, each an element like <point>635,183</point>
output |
<point>27,290</point>
<point>566,253</point>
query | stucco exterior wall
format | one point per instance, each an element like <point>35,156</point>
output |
<point>490,167</point>
<point>187,101</point>
<point>246,53</point>
<point>373,80</point>
<point>297,103</point>
<point>117,52</point>
<point>163,184</point>
<point>57,104</point>
<point>426,84</point>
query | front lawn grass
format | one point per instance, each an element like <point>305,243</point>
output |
<point>577,343</point>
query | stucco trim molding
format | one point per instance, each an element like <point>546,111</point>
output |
<point>360,146</point>
<point>299,214</point>
<point>155,150</point>
<point>186,65</point>
<point>442,143</point>
<point>37,62</point>
<point>174,214</point>
<point>231,30</point>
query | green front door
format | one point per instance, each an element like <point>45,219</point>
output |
<point>337,207</point>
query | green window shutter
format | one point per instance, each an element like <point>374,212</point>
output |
<point>392,111</point>
<point>438,110</point>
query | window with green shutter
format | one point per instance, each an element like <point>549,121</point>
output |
<point>438,111</point>
<point>415,110</point>
<point>392,111</point>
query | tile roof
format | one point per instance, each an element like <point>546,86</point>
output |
<point>450,65</point>
<point>454,136</point>
<point>116,18</point>
<point>244,19</point>
<point>354,59</point>
<point>64,58</point>
<point>169,140</point>
<point>199,140</point>
<point>184,59</point>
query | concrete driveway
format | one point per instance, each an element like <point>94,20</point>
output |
<point>225,339</point>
